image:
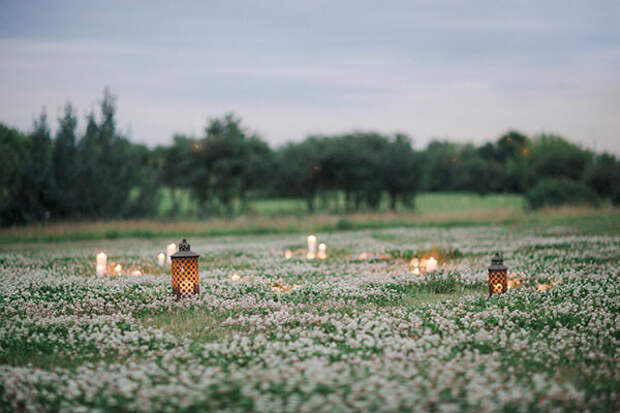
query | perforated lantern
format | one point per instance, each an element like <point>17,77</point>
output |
<point>184,269</point>
<point>498,275</point>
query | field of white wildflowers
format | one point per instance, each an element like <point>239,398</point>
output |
<point>354,332</point>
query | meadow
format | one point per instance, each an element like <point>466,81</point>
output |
<point>356,331</point>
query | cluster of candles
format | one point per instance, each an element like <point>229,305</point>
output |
<point>420,266</point>
<point>116,269</point>
<point>313,253</point>
<point>113,268</point>
<point>499,281</point>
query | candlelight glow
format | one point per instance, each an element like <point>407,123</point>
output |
<point>544,287</point>
<point>186,285</point>
<point>311,246</point>
<point>288,254</point>
<point>136,273</point>
<point>431,264</point>
<point>280,287</point>
<point>161,259</point>
<point>170,249</point>
<point>417,266</point>
<point>235,277</point>
<point>101,263</point>
<point>322,251</point>
<point>118,269</point>
<point>515,280</point>
<point>497,287</point>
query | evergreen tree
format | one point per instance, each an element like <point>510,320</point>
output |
<point>64,166</point>
<point>36,193</point>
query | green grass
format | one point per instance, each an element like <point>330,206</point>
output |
<point>433,210</point>
<point>454,201</point>
<point>196,324</point>
<point>424,202</point>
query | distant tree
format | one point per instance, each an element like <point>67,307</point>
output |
<point>349,163</point>
<point>181,169</point>
<point>14,154</point>
<point>439,165</point>
<point>64,169</point>
<point>89,175</point>
<point>300,169</point>
<point>106,170</point>
<point>511,145</point>
<point>603,174</point>
<point>35,196</point>
<point>230,163</point>
<point>400,171</point>
<point>551,156</point>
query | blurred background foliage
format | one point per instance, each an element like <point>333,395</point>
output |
<point>57,175</point>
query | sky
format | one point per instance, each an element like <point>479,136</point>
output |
<point>467,71</point>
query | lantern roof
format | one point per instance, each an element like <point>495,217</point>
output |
<point>184,250</point>
<point>497,263</point>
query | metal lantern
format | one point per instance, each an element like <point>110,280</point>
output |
<point>184,271</point>
<point>498,275</point>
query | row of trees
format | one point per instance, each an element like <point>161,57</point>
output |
<point>51,176</point>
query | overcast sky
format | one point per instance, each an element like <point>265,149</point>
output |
<point>464,70</point>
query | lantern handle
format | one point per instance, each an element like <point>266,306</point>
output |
<point>184,245</point>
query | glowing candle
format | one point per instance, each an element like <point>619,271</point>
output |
<point>161,259</point>
<point>431,264</point>
<point>118,269</point>
<point>322,251</point>
<point>498,287</point>
<point>288,254</point>
<point>235,277</point>
<point>311,247</point>
<point>101,263</point>
<point>170,249</point>
<point>186,286</point>
<point>136,273</point>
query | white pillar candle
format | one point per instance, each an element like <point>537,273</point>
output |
<point>161,259</point>
<point>431,265</point>
<point>170,249</point>
<point>311,247</point>
<point>101,263</point>
<point>322,251</point>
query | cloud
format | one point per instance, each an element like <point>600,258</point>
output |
<point>461,70</point>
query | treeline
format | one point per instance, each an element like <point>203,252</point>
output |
<point>47,175</point>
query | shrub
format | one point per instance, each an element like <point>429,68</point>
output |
<point>615,197</point>
<point>560,191</point>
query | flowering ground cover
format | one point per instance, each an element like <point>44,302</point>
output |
<point>354,332</point>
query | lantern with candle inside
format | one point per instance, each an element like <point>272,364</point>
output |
<point>184,271</point>
<point>498,275</point>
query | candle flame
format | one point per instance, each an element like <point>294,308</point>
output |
<point>235,277</point>
<point>544,287</point>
